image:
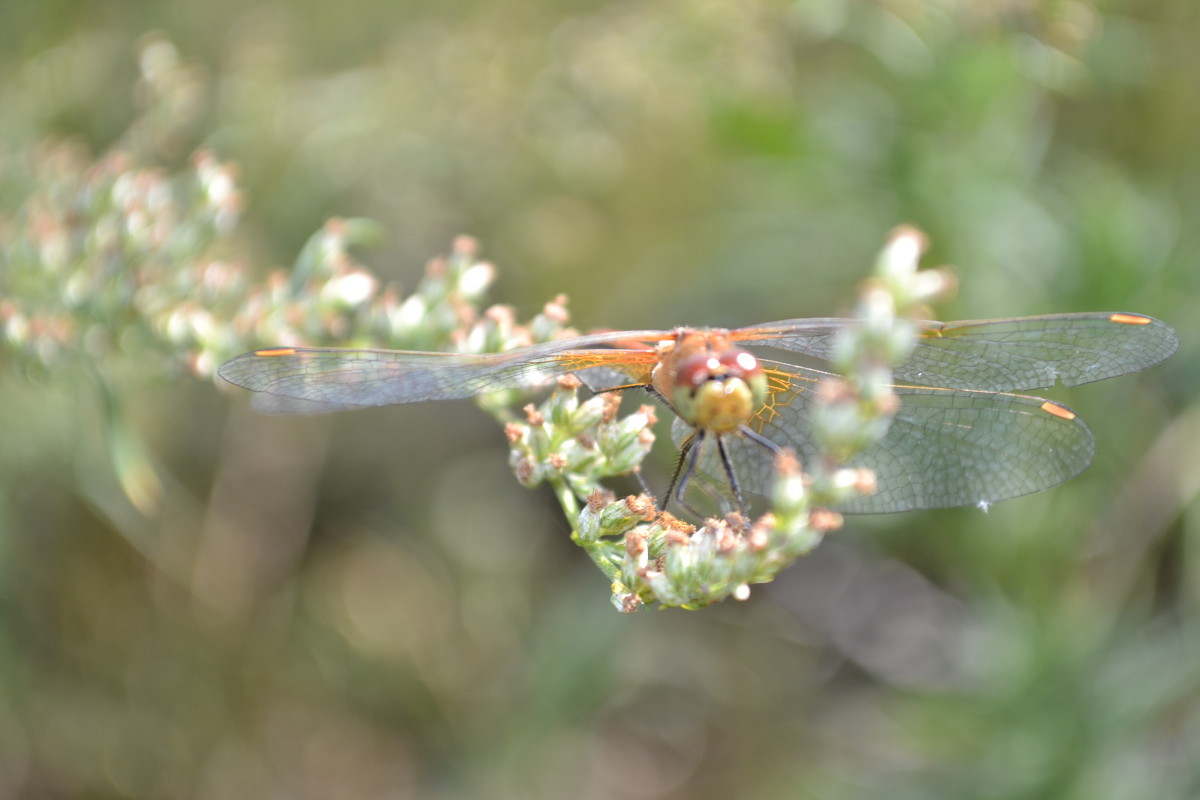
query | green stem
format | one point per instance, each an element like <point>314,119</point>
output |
<point>566,498</point>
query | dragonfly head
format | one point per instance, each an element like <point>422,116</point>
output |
<point>719,392</point>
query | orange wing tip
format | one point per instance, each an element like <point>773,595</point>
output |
<point>276,351</point>
<point>1056,410</point>
<point>1129,319</point>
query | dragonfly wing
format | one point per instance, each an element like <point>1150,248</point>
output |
<point>296,380</point>
<point>1001,355</point>
<point>1034,352</point>
<point>944,448</point>
<point>812,337</point>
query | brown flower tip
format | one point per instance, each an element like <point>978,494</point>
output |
<point>556,310</point>
<point>465,246</point>
<point>714,530</point>
<point>887,402</point>
<point>630,603</point>
<point>650,413</point>
<point>569,382</point>
<point>641,505</point>
<point>864,481</point>
<point>786,463</point>
<point>598,500</point>
<point>727,540</point>
<point>513,432</point>
<point>558,461</point>
<point>525,470</point>
<point>612,404</point>
<point>823,520</point>
<point>835,390</point>
<point>435,267</point>
<point>674,525</point>
<point>943,281</point>
<point>534,417</point>
<point>759,536</point>
<point>635,543</point>
<point>676,536</point>
<point>502,315</point>
<point>916,237</point>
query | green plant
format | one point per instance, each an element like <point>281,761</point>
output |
<point>123,256</point>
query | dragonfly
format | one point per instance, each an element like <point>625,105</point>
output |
<point>962,435</point>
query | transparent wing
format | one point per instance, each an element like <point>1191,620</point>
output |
<point>945,447</point>
<point>1001,355</point>
<point>314,380</point>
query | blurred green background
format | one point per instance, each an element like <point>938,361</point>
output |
<point>369,606</point>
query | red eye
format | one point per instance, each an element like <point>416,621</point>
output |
<point>697,369</point>
<point>739,363</point>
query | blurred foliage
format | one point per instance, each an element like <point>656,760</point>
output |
<point>369,606</point>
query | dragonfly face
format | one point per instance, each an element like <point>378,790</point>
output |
<point>961,436</point>
<point>711,384</point>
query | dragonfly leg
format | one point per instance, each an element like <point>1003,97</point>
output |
<point>683,470</point>
<point>641,479</point>
<point>732,476</point>
<point>758,438</point>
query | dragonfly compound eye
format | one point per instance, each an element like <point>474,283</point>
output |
<point>739,363</point>
<point>695,370</point>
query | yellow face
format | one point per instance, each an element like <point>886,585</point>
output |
<point>719,405</point>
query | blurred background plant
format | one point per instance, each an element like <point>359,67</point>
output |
<point>366,606</point>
